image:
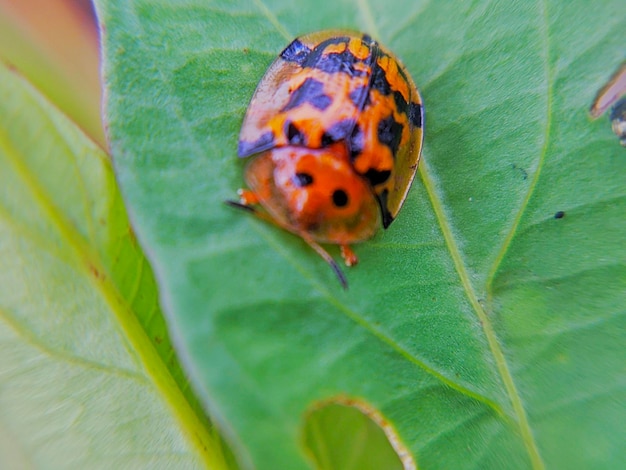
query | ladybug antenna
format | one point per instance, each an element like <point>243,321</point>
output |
<point>329,259</point>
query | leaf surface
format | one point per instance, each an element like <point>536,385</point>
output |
<point>487,331</point>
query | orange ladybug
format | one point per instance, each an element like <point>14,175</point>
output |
<point>335,132</point>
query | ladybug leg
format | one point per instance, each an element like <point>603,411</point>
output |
<point>348,255</point>
<point>247,197</point>
<point>247,201</point>
<point>326,257</point>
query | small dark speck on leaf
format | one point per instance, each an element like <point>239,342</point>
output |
<point>131,234</point>
<point>559,215</point>
<point>524,172</point>
<point>158,340</point>
<point>96,273</point>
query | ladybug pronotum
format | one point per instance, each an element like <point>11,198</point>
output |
<point>334,131</point>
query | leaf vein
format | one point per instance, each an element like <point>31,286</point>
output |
<point>375,332</point>
<point>485,321</point>
<point>271,17</point>
<point>368,17</point>
<point>29,337</point>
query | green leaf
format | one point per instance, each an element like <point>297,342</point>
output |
<point>342,436</point>
<point>488,332</point>
<point>55,46</point>
<point>88,378</point>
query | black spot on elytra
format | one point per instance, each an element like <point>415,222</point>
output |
<point>356,142</point>
<point>360,97</point>
<point>379,81</point>
<point>340,198</point>
<point>390,133</point>
<point>311,91</point>
<point>382,202</point>
<point>387,219</point>
<point>337,132</point>
<point>265,142</point>
<point>376,177</point>
<point>294,135</point>
<point>296,52</point>
<point>326,140</point>
<point>402,74</point>
<point>415,114</point>
<point>340,62</point>
<point>335,61</point>
<point>321,47</point>
<point>302,179</point>
<point>401,104</point>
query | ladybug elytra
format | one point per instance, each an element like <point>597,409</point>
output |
<point>334,132</point>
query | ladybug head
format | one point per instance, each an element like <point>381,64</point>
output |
<point>315,191</point>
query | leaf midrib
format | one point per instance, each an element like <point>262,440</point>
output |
<point>484,319</point>
<point>488,329</point>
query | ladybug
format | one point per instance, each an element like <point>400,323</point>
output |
<point>334,131</point>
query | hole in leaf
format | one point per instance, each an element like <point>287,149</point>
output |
<point>349,434</point>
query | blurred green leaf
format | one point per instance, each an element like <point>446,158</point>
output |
<point>488,332</point>
<point>88,378</point>
<point>55,45</point>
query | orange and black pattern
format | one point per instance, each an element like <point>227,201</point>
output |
<point>344,88</point>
